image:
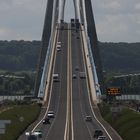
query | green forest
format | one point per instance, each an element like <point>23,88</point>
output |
<point>17,83</point>
<point>23,55</point>
<point>19,56</point>
<point>120,57</point>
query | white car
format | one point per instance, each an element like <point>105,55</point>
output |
<point>34,135</point>
<point>58,49</point>
<point>50,114</point>
<point>58,46</point>
<point>58,43</point>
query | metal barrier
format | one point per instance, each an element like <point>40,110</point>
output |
<point>44,77</point>
<point>93,65</point>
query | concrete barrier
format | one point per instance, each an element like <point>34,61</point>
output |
<point>90,75</point>
<point>50,67</point>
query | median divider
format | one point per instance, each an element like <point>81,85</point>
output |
<point>69,118</point>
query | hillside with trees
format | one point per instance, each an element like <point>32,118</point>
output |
<point>120,57</point>
<point>18,83</point>
<point>23,55</point>
<point>19,55</point>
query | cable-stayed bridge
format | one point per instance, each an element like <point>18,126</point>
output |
<point>69,75</point>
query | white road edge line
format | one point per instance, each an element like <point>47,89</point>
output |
<point>72,131</point>
<point>56,33</point>
<point>67,113</point>
<point>85,44</point>
<point>81,105</point>
<point>58,97</point>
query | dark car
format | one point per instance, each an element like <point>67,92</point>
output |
<point>88,118</point>
<point>76,68</point>
<point>98,133</point>
<point>46,121</point>
<point>32,137</point>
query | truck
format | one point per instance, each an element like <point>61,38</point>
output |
<point>82,75</point>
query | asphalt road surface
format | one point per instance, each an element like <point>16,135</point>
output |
<point>69,39</point>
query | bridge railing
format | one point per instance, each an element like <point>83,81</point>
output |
<point>46,67</point>
<point>45,72</point>
<point>93,65</point>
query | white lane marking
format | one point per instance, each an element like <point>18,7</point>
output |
<point>66,134</point>
<point>58,100</point>
<point>81,108</point>
<point>50,90</point>
<point>90,132</point>
<point>92,107</point>
<point>72,131</point>
<point>81,105</point>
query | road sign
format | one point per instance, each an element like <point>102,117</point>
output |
<point>113,91</point>
<point>117,109</point>
<point>21,119</point>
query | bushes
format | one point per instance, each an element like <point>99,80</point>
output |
<point>28,113</point>
<point>127,124</point>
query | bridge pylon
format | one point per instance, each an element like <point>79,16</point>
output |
<point>44,44</point>
<point>91,31</point>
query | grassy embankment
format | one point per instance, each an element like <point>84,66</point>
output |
<point>28,113</point>
<point>127,124</point>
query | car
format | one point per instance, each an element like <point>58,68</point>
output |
<point>46,121</point>
<point>102,138</point>
<point>50,114</point>
<point>37,133</point>
<point>56,77</point>
<point>76,68</point>
<point>58,49</point>
<point>34,135</point>
<point>58,43</point>
<point>58,46</point>
<point>98,133</point>
<point>74,76</point>
<point>82,75</point>
<point>88,118</point>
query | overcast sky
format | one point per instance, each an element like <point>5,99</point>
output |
<point>116,20</point>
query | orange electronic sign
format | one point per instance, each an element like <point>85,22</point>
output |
<point>113,91</point>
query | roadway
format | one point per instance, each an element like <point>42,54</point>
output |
<point>59,90</point>
<point>79,126</point>
<point>58,93</point>
<point>81,98</point>
<point>71,48</point>
<point>80,93</point>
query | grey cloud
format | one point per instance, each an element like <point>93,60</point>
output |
<point>22,19</point>
<point>116,20</point>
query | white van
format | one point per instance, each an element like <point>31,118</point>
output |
<point>56,77</point>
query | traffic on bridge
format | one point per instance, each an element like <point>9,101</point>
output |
<point>68,71</point>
